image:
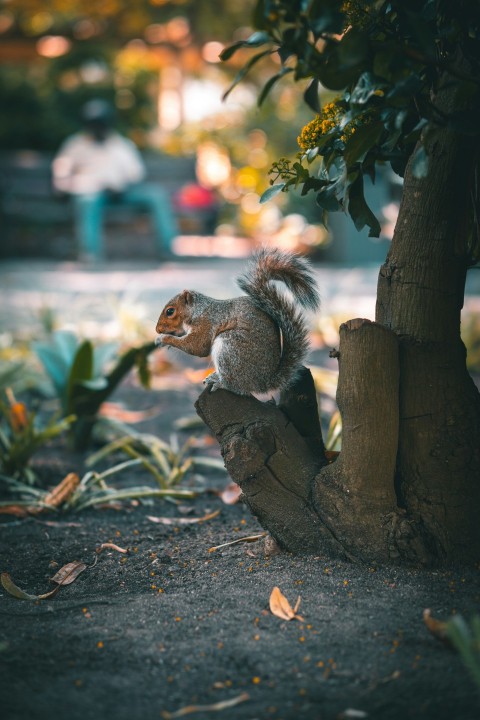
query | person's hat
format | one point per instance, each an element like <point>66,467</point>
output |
<point>97,110</point>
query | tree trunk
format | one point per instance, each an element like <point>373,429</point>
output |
<point>420,296</point>
<point>406,486</point>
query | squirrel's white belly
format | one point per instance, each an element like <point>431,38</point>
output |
<point>216,351</point>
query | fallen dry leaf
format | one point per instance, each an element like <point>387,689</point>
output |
<point>182,520</point>
<point>14,590</point>
<point>438,628</point>
<point>111,546</point>
<point>247,539</point>
<point>69,572</point>
<point>17,510</point>
<point>56,497</point>
<point>230,494</point>
<point>66,575</point>
<point>215,707</point>
<point>280,606</point>
<point>63,491</point>
<point>117,412</point>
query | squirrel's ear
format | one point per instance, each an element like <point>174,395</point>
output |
<point>187,296</point>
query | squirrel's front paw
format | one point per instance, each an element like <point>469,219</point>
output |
<point>211,379</point>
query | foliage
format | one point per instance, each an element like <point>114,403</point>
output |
<point>121,19</point>
<point>386,60</point>
<point>466,639</point>
<point>77,371</point>
<point>55,92</point>
<point>116,50</point>
<point>21,437</point>
<point>167,463</point>
<point>9,374</point>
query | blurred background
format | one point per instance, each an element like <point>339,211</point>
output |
<point>157,62</point>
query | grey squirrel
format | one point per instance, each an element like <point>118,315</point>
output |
<point>257,341</point>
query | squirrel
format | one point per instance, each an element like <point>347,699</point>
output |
<point>257,341</point>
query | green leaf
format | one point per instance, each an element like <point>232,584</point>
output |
<point>9,373</point>
<point>466,639</point>
<point>55,365</point>
<point>312,183</point>
<point>260,15</point>
<point>66,343</point>
<point>96,384</point>
<point>143,369</point>
<point>245,69</point>
<point>310,96</point>
<point>332,76</point>
<point>406,88</point>
<point>271,192</point>
<point>102,355</point>
<point>362,140</point>
<point>81,370</point>
<point>368,85</point>
<point>422,31</point>
<point>358,208</point>
<point>353,50</point>
<point>255,40</point>
<point>325,17</point>
<point>327,197</point>
<point>270,83</point>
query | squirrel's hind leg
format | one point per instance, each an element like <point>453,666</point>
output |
<point>242,365</point>
<point>229,367</point>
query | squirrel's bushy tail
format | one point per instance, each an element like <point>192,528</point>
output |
<point>296,274</point>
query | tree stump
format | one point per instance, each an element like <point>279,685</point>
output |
<point>276,454</point>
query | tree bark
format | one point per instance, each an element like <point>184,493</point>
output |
<point>420,297</point>
<point>271,461</point>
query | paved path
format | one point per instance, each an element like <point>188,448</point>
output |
<point>94,297</point>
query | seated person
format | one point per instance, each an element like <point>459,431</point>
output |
<point>99,167</point>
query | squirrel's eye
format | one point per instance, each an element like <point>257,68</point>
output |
<point>170,311</point>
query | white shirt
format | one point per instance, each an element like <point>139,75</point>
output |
<point>84,165</point>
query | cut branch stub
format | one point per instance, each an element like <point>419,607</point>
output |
<point>347,509</point>
<point>271,461</point>
<point>355,496</point>
<point>301,408</point>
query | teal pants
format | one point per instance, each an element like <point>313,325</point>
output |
<point>89,211</point>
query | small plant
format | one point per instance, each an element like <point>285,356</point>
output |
<point>20,437</point>
<point>167,463</point>
<point>10,373</point>
<point>77,371</point>
<point>466,639</point>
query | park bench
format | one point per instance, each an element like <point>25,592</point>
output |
<point>35,221</point>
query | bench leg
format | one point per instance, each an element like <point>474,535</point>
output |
<point>88,215</point>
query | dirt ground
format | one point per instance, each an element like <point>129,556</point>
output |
<point>171,625</point>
